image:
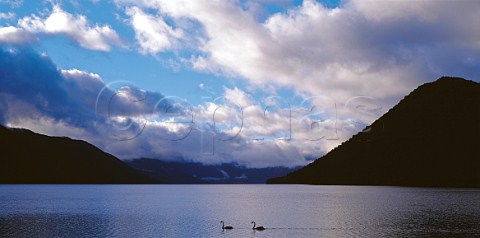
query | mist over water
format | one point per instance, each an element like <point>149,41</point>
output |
<point>196,211</point>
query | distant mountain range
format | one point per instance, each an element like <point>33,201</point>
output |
<point>431,138</point>
<point>197,173</point>
<point>28,157</point>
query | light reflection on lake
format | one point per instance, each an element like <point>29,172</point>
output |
<point>196,211</point>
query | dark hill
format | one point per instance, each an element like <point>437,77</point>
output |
<point>431,138</point>
<point>27,157</point>
<point>183,172</point>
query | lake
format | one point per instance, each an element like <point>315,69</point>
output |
<point>196,211</point>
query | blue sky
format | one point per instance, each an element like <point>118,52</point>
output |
<point>252,74</point>
<point>158,72</point>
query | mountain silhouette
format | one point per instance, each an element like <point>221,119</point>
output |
<point>430,138</point>
<point>28,157</point>
<point>184,172</point>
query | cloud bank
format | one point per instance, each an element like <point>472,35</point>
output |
<point>60,22</point>
<point>348,64</point>
<point>380,49</point>
<point>132,123</point>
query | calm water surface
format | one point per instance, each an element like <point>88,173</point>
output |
<point>196,211</point>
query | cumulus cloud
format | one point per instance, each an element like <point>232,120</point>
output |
<point>33,88</point>
<point>238,97</point>
<point>14,35</point>
<point>382,50</point>
<point>349,64</point>
<point>34,79</point>
<point>131,123</point>
<point>60,22</point>
<point>152,33</point>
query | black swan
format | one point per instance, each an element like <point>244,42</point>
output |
<point>258,228</point>
<point>226,227</point>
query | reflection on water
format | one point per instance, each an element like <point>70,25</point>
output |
<point>196,211</point>
<point>51,225</point>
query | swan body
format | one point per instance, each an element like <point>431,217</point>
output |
<point>226,227</point>
<point>258,228</point>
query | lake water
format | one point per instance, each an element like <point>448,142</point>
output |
<point>196,211</point>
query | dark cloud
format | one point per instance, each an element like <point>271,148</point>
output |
<point>27,76</point>
<point>133,123</point>
<point>33,86</point>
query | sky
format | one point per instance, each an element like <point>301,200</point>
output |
<point>257,83</point>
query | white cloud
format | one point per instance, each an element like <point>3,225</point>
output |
<point>152,33</point>
<point>361,50</point>
<point>377,50</point>
<point>132,123</point>
<point>79,75</point>
<point>238,97</point>
<point>7,15</point>
<point>343,52</point>
<point>59,22</point>
<point>13,35</point>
